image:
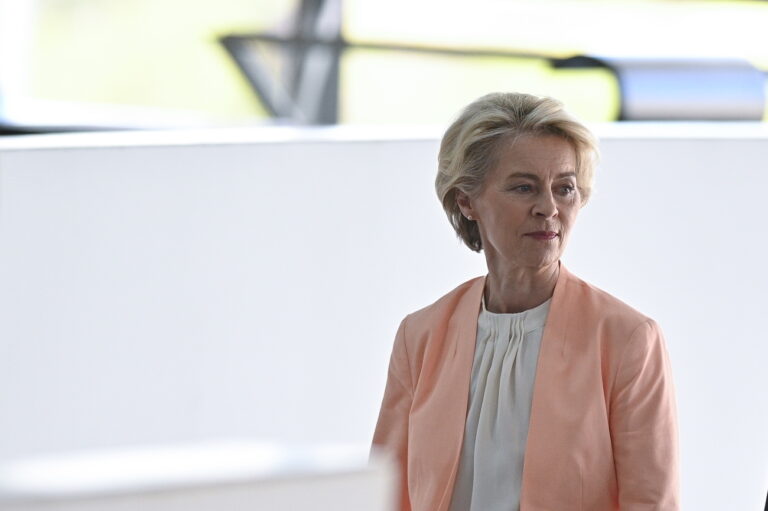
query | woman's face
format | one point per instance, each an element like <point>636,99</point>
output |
<point>528,202</point>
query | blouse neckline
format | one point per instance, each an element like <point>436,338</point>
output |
<point>532,318</point>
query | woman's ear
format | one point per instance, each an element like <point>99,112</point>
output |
<point>465,204</point>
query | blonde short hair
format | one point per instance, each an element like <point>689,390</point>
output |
<point>469,146</point>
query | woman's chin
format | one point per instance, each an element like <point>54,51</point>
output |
<point>542,259</point>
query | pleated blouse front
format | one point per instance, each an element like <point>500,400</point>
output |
<point>500,395</point>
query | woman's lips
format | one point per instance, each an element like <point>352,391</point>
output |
<point>542,235</point>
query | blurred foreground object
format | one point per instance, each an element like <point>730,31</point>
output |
<point>201,478</point>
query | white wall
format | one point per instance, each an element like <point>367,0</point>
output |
<point>177,287</point>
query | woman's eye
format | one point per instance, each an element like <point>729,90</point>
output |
<point>567,189</point>
<point>523,188</point>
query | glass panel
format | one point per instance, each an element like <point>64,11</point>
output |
<point>166,54</point>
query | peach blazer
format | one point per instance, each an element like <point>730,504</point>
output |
<point>603,427</point>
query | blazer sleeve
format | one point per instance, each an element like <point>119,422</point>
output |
<point>391,432</point>
<point>643,422</point>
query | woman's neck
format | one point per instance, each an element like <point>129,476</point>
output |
<point>519,289</point>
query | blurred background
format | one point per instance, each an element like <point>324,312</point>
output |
<point>234,62</point>
<point>214,215</point>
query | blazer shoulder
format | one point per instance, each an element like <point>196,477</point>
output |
<point>593,302</point>
<point>441,310</point>
<point>599,320</point>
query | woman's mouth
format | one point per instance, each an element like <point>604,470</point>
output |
<point>542,235</point>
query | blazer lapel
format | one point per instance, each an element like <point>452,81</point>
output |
<point>456,370</point>
<point>553,371</point>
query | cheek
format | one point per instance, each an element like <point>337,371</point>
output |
<point>569,219</point>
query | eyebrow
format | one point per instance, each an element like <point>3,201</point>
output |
<point>536,178</point>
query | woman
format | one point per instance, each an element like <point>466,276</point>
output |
<point>528,388</point>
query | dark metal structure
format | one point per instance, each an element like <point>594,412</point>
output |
<point>304,87</point>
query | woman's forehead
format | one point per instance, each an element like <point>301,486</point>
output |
<point>539,155</point>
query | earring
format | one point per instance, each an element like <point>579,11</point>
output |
<point>469,217</point>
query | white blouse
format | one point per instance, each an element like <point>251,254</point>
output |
<point>501,390</point>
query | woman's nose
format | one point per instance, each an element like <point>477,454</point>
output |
<point>545,205</point>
